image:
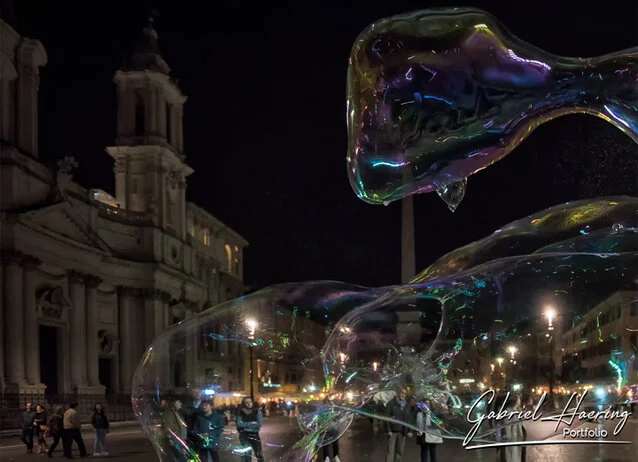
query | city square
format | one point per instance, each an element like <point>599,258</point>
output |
<point>198,258</point>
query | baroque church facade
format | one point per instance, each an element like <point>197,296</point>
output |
<point>90,279</point>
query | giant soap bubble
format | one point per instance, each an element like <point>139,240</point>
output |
<point>487,316</point>
<point>437,95</point>
<point>543,308</point>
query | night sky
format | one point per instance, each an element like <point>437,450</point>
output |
<point>265,125</point>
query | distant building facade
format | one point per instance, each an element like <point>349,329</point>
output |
<point>89,279</point>
<point>607,332</point>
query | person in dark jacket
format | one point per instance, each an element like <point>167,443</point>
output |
<point>209,426</point>
<point>100,424</point>
<point>249,422</point>
<point>56,428</point>
<point>39,428</point>
<point>27,428</point>
<point>400,413</point>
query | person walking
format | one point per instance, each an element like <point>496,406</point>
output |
<point>27,428</point>
<point>100,424</point>
<point>56,428</point>
<point>400,414</point>
<point>71,423</point>
<point>209,427</point>
<point>429,435</point>
<point>511,430</point>
<point>333,429</point>
<point>40,428</point>
<point>249,422</point>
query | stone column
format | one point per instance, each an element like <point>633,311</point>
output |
<point>181,206</point>
<point>78,330</point>
<point>125,351</point>
<point>161,114</point>
<point>150,299</point>
<point>154,116</point>
<point>31,327</point>
<point>2,350</point>
<point>7,105</point>
<point>159,316</point>
<point>92,340</point>
<point>191,347</point>
<point>28,83</point>
<point>173,128</point>
<point>180,129</point>
<point>14,319</point>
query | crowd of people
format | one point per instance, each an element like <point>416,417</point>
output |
<point>405,420</point>
<point>38,429</point>
<point>199,425</point>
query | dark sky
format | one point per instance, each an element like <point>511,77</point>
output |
<point>265,124</point>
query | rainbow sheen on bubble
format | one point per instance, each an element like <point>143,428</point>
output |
<point>435,96</point>
<point>441,336</point>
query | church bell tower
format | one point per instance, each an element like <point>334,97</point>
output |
<point>150,168</point>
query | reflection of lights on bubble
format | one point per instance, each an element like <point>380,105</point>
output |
<point>600,393</point>
<point>252,326</point>
<point>550,314</point>
<point>512,350</point>
<point>500,361</point>
<point>375,365</point>
<point>349,396</point>
<point>517,387</point>
<point>209,392</point>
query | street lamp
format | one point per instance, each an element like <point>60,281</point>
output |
<point>550,314</point>
<point>252,327</point>
<point>512,350</point>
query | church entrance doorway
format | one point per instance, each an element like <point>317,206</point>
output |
<point>49,358</point>
<point>105,372</point>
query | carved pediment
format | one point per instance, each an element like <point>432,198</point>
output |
<point>60,219</point>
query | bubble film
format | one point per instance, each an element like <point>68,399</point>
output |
<point>437,95</point>
<point>489,316</point>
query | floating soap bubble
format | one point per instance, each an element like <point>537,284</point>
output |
<point>206,360</point>
<point>496,316</point>
<point>485,317</point>
<point>437,95</point>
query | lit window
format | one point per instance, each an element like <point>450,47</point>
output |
<point>229,257</point>
<point>206,236</point>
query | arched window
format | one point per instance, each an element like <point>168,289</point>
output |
<point>206,237</point>
<point>229,257</point>
<point>140,116</point>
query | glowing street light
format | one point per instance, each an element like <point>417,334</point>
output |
<point>252,327</point>
<point>512,350</point>
<point>550,314</point>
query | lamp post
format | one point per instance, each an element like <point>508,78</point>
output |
<point>252,326</point>
<point>512,350</point>
<point>550,314</point>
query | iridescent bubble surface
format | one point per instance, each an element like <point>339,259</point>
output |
<point>435,96</point>
<point>560,284</point>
